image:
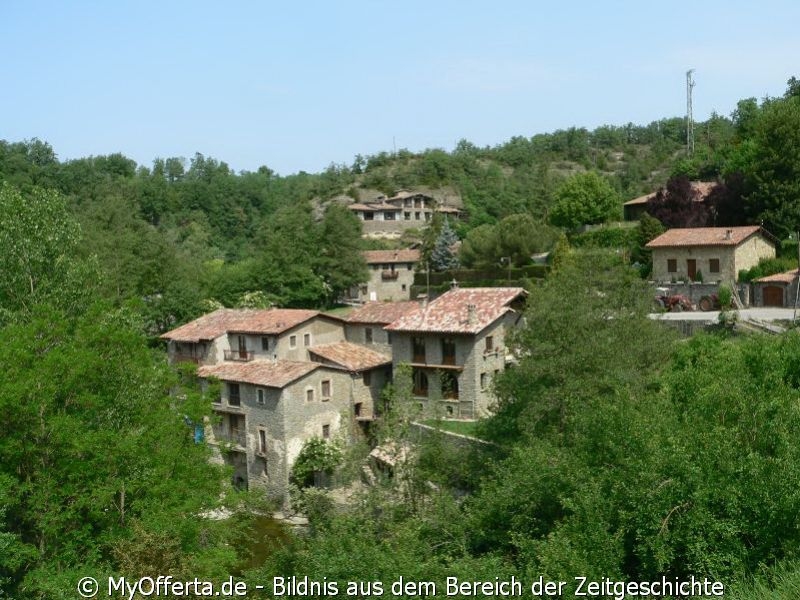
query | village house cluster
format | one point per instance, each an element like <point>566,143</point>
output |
<point>289,375</point>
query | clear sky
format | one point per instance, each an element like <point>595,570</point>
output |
<point>299,85</point>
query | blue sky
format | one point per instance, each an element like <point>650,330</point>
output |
<point>299,85</point>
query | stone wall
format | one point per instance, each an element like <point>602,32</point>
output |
<point>380,289</point>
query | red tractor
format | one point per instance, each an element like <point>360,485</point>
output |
<point>710,302</point>
<point>671,302</point>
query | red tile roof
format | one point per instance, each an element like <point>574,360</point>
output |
<point>353,357</point>
<point>268,373</point>
<point>703,188</point>
<point>450,312</point>
<point>381,312</point>
<point>271,321</point>
<point>787,277</point>
<point>407,255</point>
<point>705,236</point>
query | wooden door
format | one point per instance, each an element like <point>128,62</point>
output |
<point>773,295</point>
<point>691,268</point>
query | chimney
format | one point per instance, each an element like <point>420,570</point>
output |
<point>472,314</point>
<point>728,234</point>
<point>454,284</point>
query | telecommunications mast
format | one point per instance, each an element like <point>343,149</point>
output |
<point>689,117</point>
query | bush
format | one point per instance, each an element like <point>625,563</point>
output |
<point>317,456</point>
<point>768,266</point>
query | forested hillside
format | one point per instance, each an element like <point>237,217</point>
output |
<point>179,236</point>
<point>615,451</point>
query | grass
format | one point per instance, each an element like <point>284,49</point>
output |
<point>340,311</point>
<point>461,427</point>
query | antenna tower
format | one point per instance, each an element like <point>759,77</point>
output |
<point>689,117</point>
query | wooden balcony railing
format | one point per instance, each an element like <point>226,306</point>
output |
<point>239,355</point>
<point>389,275</point>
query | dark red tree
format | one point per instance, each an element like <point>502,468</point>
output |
<point>678,204</point>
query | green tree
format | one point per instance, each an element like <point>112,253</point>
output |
<point>443,256</point>
<point>339,261</point>
<point>38,262</point>
<point>584,199</point>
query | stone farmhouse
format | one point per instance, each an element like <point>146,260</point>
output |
<point>390,217</point>
<point>455,345</point>
<point>391,275</point>
<point>715,254</point>
<point>286,376</point>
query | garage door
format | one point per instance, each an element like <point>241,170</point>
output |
<point>773,295</point>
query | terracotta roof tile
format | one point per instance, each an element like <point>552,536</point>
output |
<point>787,277</point>
<point>381,312</point>
<point>450,312</point>
<point>353,357</point>
<point>406,255</point>
<point>268,373</point>
<point>225,320</point>
<point>705,236</point>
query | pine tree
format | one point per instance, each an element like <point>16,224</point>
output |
<point>443,258</point>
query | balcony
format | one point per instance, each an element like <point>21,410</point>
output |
<point>239,355</point>
<point>184,358</point>
<point>389,275</point>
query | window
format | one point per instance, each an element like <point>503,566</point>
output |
<point>357,408</point>
<point>672,265</point>
<point>235,426</point>
<point>416,216</point>
<point>449,410</point>
<point>310,395</point>
<point>326,389</point>
<point>326,432</point>
<point>419,383</point>
<point>407,216</point>
<point>449,385</point>
<point>418,350</point>
<point>292,341</point>
<point>262,441</point>
<point>233,394</point>
<point>409,266</point>
<point>260,395</point>
<point>713,265</point>
<point>265,344</point>
<point>404,287</point>
<point>484,380</point>
<point>448,351</point>
<point>489,344</point>
<point>367,376</point>
<point>388,216</point>
<point>388,337</point>
<point>368,335</point>
<point>306,339</point>
<point>368,216</point>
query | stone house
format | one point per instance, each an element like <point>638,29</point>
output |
<point>776,290</point>
<point>268,409</point>
<point>250,334</point>
<point>365,325</point>
<point>455,345</point>
<point>713,254</point>
<point>286,376</point>
<point>369,372</point>
<point>390,217</point>
<point>391,275</point>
